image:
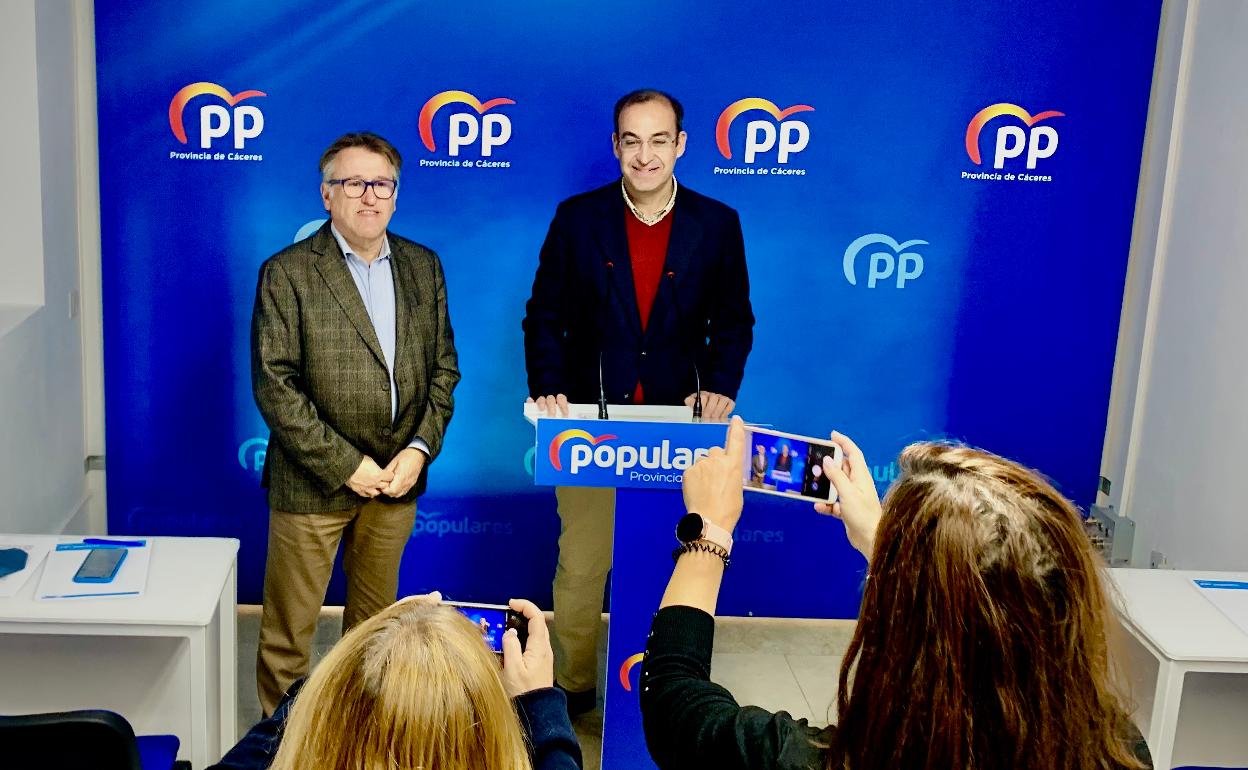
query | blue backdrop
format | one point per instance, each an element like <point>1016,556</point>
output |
<point>936,202</point>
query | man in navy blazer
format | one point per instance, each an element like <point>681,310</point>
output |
<point>642,296</point>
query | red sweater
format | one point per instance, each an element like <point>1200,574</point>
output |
<point>647,251</point>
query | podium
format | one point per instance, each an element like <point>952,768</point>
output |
<point>642,452</point>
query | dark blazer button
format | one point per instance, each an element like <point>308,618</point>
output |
<point>385,432</point>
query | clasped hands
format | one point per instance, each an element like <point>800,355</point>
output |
<point>394,480</point>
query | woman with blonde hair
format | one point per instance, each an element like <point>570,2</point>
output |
<point>982,643</point>
<point>414,688</point>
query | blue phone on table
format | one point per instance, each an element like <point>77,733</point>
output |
<point>101,565</point>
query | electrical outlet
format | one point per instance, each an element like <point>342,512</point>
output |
<point>1113,536</point>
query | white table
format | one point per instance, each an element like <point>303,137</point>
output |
<point>165,660</point>
<point>1185,634</point>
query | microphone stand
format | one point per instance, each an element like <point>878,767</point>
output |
<point>670,277</point>
<point>602,393</point>
<point>602,389</point>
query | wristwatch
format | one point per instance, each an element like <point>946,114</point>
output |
<point>693,527</point>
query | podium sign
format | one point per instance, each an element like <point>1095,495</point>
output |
<point>620,453</point>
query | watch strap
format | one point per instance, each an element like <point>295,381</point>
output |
<point>716,534</point>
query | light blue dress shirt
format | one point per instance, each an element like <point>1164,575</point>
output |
<point>375,282</point>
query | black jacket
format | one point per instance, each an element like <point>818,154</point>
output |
<point>690,721</point>
<point>584,305</point>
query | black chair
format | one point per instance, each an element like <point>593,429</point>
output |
<point>89,739</point>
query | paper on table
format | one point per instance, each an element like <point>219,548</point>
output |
<point>1230,596</point>
<point>36,547</point>
<point>58,577</point>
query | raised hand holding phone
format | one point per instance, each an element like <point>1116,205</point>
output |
<point>710,486</point>
<point>857,502</point>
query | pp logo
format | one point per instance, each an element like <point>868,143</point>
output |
<point>761,136</point>
<point>906,265</point>
<point>579,459</point>
<point>626,669</point>
<point>1038,141</point>
<point>308,228</point>
<point>251,454</point>
<point>465,128</point>
<point>215,121</point>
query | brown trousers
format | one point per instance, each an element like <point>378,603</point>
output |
<point>300,559</point>
<point>586,527</point>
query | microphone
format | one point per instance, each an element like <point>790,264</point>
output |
<point>670,276</point>
<point>602,390</point>
<point>602,393</point>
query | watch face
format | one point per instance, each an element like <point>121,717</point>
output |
<point>689,528</point>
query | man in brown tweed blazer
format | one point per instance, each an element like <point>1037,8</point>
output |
<point>353,367</point>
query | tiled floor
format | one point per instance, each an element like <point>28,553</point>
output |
<point>778,664</point>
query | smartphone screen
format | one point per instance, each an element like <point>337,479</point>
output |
<point>490,618</point>
<point>100,565</point>
<point>788,465</point>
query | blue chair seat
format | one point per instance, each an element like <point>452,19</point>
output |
<point>157,752</point>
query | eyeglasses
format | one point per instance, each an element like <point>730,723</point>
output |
<point>354,188</point>
<point>631,144</point>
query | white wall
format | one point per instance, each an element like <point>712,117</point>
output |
<point>41,353</point>
<point>21,288</point>
<point>1148,207</point>
<point>1186,442</point>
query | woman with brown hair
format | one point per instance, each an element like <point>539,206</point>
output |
<point>982,642</point>
<point>415,687</point>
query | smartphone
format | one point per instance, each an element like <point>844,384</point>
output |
<point>494,620</point>
<point>788,465</point>
<point>101,565</point>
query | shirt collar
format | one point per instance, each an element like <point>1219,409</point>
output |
<point>347,251</point>
<point>654,220</point>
